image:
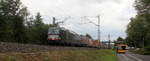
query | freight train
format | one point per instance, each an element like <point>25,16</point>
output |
<point>62,36</point>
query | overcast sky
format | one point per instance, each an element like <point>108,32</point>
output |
<point>114,15</point>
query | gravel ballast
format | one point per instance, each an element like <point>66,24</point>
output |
<point>29,48</point>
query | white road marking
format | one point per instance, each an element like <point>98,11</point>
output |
<point>122,57</point>
<point>127,58</point>
<point>134,57</point>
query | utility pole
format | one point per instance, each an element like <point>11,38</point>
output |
<point>99,36</point>
<point>143,43</point>
<point>54,21</point>
<point>98,27</point>
<point>109,41</point>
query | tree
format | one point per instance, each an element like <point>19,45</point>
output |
<point>120,39</point>
<point>142,6</point>
<point>36,30</point>
<point>38,25</point>
<point>138,31</point>
<point>12,20</point>
<point>17,26</point>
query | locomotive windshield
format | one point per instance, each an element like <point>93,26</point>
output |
<point>53,31</point>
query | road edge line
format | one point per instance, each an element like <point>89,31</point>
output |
<point>138,59</point>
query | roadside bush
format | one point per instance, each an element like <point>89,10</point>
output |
<point>147,50</point>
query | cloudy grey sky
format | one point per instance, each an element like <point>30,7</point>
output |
<point>115,14</point>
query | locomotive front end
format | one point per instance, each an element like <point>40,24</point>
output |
<point>53,34</point>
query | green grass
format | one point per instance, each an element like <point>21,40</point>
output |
<point>142,52</point>
<point>65,55</point>
<point>137,51</point>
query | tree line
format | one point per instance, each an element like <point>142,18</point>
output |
<point>18,25</point>
<point>138,30</point>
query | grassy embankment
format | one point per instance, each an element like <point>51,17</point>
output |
<point>65,55</point>
<point>137,51</point>
<point>142,52</point>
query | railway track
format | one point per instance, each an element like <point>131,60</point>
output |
<point>29,48</point>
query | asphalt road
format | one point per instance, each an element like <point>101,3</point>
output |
<point>133,57</point>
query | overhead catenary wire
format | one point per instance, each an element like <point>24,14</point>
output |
<point>84,18</point>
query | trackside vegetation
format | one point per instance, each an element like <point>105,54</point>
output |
<point>138,30</point>
<point>64,55</point>
<point>18,25</point>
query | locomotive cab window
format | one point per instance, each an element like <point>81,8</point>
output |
<point>53,31</point>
